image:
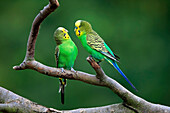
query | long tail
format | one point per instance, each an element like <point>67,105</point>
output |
<point>61,88</point>
<point>119,70</point>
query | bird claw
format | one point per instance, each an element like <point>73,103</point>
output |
<point>73,70</point>
<point>62,70</point>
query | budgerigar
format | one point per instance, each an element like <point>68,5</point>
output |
<point>96,46</point>
<point>65,53</point>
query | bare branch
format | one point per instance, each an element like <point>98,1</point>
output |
<point>130,100</point>
<point>11,102</point>
<point>99,71</point>
<point>53,4</point>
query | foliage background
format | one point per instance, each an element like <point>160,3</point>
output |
<point>136,30</point>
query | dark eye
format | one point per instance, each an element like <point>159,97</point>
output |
<point>79,26</point>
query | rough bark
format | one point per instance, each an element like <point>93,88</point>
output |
<point>11,102</point>
<point>15,103</point>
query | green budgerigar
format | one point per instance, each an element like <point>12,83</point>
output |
<point>65,53</point>
<point>96,46</point>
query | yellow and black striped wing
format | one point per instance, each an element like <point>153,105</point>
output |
<point>97,43</point>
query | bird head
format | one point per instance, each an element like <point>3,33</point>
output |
<point>82,27</point>
<point>60,35</point>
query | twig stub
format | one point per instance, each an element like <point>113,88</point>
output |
<point>93,63</point>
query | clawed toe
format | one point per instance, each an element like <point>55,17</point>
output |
<point>73,70</point>
<point>62,70</point>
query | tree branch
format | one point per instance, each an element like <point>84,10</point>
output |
<point>15,103</point>
<point>130,101</point>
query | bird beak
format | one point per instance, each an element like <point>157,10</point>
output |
<point>75,29</point>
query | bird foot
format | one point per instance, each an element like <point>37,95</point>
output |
<point>62,70</point>
<point>73,70</point>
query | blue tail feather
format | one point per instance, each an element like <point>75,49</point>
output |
<point>119,70</point>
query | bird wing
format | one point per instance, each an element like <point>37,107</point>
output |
<point>57,51</point>
<point>98,44</point>
<point>61,80</point>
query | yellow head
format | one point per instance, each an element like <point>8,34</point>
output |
<point>61,34</point>
<point>82,27</point>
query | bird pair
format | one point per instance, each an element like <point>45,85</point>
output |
<point>66,50</point>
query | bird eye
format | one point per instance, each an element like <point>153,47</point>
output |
<point>79,26</point>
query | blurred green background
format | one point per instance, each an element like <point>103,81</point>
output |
<point>135,30</point>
